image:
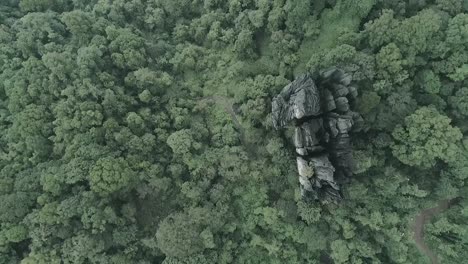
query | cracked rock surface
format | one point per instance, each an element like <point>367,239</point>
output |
<point>320,108</point>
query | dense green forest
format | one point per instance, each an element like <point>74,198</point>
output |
<point>139,131</point>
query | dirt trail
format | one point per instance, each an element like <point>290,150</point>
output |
<point>421,219</point>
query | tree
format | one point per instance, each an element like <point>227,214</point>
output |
<point>109,175</point>
<point>183,234</point>
<point>390,63</point>
<point>459,102</point>
<point>426,137</point>
<point>181,142</point>
<point>448,231</point>
<point>429,81</point>
<point>140,132</point>
<point>340,251</point>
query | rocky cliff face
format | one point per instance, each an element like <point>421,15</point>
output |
<point>320,108</point>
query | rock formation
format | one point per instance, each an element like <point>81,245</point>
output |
<point>320,108</point>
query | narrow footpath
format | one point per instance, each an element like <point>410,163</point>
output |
<point>424,217</point>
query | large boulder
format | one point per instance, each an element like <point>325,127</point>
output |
<point>323,122</point>
<point>297,100</point>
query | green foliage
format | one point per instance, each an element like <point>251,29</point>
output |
<point>340,251</point>
<point>140,131</point>
<point>41,5</point>
<point>368,102</point>
<point>390,64</point>
<point>460,102</point>
<point>109,175</point>
<point>427,136</point>
<point>182,235</point>
<point>447,233</point>
<point>430,82</point>
<point>181,142</point>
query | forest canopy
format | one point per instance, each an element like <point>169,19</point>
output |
<point>140,131</point>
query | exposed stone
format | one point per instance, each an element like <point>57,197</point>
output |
<point>358,122</point>
<point>306,136</point>
<point>323,169</point>
<point>304,169</point>
<point>323,121</point>
<point>342,104</point>
<point>340,90</point>
<point>353,92</point>
<point>306,184</point>
<point>346,79</point>
<point>329,100</point>
<point>297,100</point>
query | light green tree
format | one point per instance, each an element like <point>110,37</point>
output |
<point>426,137</point>
<point>109,175</point>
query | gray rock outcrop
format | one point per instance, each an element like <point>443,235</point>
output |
<point>320,109</point>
